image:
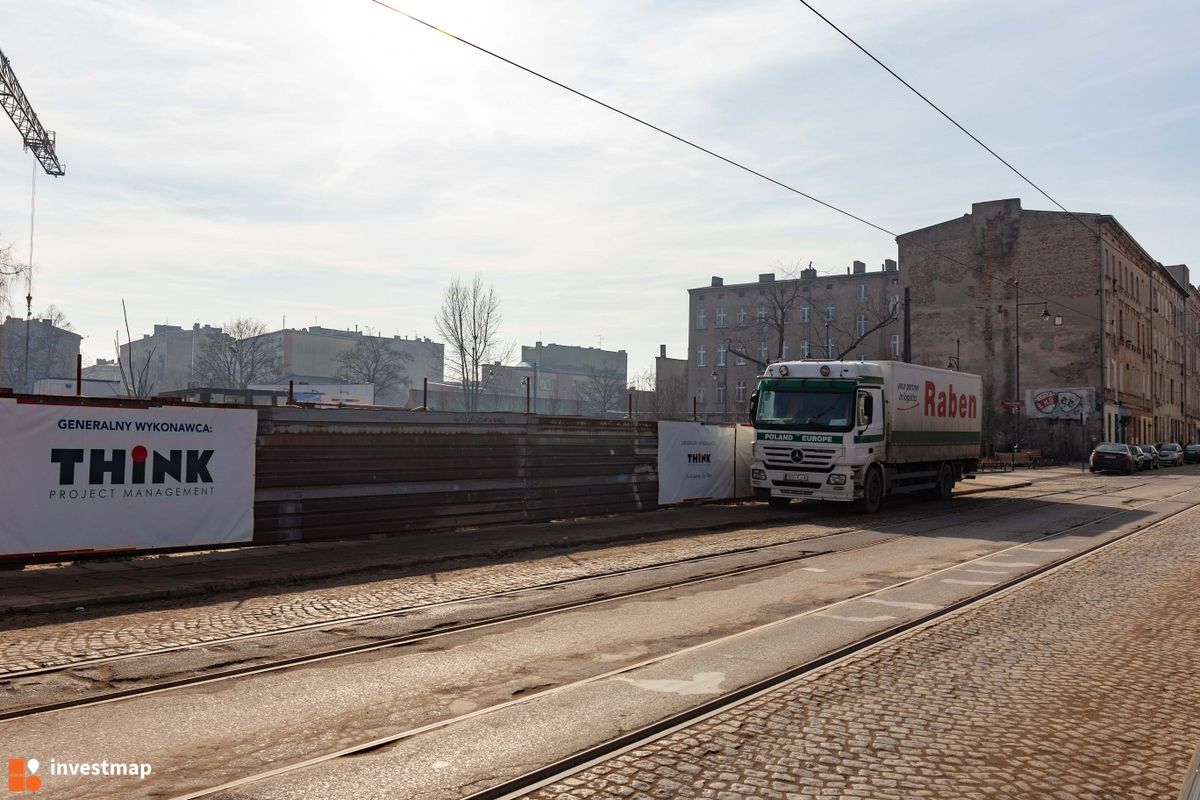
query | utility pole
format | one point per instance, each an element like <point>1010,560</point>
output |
<point>907,326</point>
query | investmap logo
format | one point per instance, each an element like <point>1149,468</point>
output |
<point>136,472</point>
<point>22,775</point>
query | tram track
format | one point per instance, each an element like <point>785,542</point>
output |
<point>381,614</point>
<point>559,769</point>
<point>374,644</point>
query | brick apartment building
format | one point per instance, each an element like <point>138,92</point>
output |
<point>1104,329</point>
<point>734,330</point>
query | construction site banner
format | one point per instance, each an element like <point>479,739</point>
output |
<point>94,478</point>
<point>695,462</point>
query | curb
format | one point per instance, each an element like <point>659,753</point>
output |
<point>193,587</point>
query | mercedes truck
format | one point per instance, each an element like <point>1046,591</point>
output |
<point>859,431</point>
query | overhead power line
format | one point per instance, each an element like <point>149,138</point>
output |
<point>996,278</point>
<point>949,118</point>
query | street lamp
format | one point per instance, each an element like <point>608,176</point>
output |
<point>1045,316</point>
<point>955,361</point>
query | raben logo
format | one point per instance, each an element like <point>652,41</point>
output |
<point>182,466</point>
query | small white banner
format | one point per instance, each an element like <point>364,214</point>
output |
<point>695,462</point>
<point>83,478</point>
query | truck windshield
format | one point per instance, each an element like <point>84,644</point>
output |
<point>805,409</point>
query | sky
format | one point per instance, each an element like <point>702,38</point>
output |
<point>331,162</point>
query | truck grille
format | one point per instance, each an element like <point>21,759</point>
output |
<point>812,456</point>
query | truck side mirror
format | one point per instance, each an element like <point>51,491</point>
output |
<point>753,407</point>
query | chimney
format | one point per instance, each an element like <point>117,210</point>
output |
<point>766,277</point>
<point>889,265</point>
<point>662,351</point>
<point>718,281</point>
<point>860,268</point>
<point>808,274</point>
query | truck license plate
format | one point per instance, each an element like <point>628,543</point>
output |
<point>798,477</point>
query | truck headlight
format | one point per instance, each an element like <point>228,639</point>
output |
<point>758,474</point>
<point>837,480</point>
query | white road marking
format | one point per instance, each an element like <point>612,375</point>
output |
<point>899,604</point>
<point>967,583</point>
<point>441,764</point>
<point>1009,565</point>
<point>701,683</point>
<point>985,572</point>
<point>881,618</point>
<point>812,569</point>
<point>1047,550</point>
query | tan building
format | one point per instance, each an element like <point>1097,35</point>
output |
<point>1072,324</point>
<point>735,330</point>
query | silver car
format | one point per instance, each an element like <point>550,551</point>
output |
<point>1170,454</point>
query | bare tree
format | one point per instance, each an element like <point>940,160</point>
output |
<point>601,391</point>
<point>9,269</point>
<point>135,375</point>
<point>835,339</point>
<point>374,360</point>
<point>469,322</point>
<point>779,301</point>
<point>242,355</point>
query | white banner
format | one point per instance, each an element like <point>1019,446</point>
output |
<point>94,478</point>
<point>695,462</point>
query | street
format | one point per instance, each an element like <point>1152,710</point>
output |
<point>441,683</point>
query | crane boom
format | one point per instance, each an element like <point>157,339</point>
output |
<point>36,138</point>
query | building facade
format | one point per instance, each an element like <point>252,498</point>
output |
<point>166,360</point>
<point>34,350</point>
<point>735,330</point>
<point>1079,333</point>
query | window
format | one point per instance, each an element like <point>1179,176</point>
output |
<point>762,314</point>
<point>741,319</point>
<point>741,355</point>
<point>721,393</point>
<point>862,291</point>
<point>784,352</point>
<point>830,311</point>
<point>805,313</point>
<point>895,345</point>
<point>721,348</point>
<point>720,322</point>
<point>699,394</point>
<point>861,325</point>
<point>700,356</point>
<point>804,349</point>
<point>893,303</point>
<point>741,391</point>
<point>701,324</point>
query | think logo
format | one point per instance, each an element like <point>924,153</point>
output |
<point>21,775</point>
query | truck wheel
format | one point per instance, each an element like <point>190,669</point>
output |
<point>779,502</point>
<point>945,483</point>
<point>872,492</point>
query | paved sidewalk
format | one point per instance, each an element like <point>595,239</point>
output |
<point>1081,685</point>
<point>90,583</point>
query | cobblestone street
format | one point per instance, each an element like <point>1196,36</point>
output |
<point>119,632</point>
<point>1081,685</point>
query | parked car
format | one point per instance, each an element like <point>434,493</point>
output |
<point>1152,458</point>
<point>1171,454</point>
<point>1191,453</point>
<point>1139,458</point>
<point>1110,457</point>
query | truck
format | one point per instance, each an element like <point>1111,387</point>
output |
<point>859,431</point>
